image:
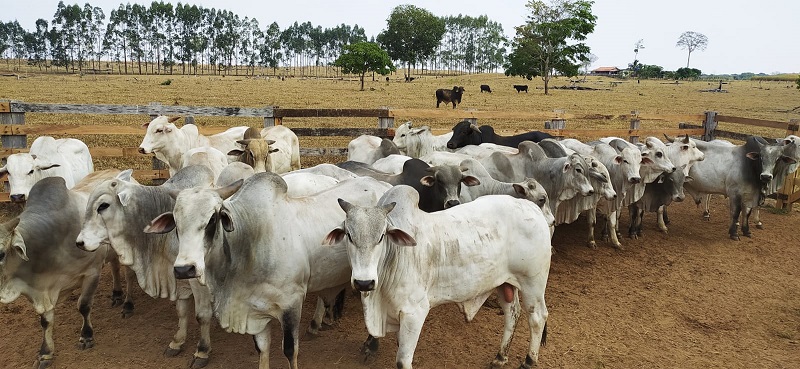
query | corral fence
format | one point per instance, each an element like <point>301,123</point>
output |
<point>14,131</point>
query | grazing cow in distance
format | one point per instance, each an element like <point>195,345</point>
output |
<point>449,96</point>
<point>521,88</point>
<point>486,88</point>
<point>405,262</point>
<point>468,133</point>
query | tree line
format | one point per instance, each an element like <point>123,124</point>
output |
<point>163,38</point>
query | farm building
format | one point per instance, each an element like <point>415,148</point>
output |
<point>606,71</point>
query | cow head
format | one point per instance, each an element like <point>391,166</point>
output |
<point>599,177</point>
<point>255,152</point>
<point>158,135</point>
<point>200,219</point>
<point>445,180</point>
<point>464,133</point>
<point>672,183</point>
<point>400,136</point>
<point>654,155</point>
<point>105,220</point>
<point>531,190</point>
<point>684,151</point>
<point>365,232</point>
<point>764,156</point>
<point>12,254</point>
<point>575,178</point>
<point>23,171</point>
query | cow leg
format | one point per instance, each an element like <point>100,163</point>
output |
<point>735,204</point>
<point>45,358</point>
<point>369,348</point>
<point>176,346</point>
<point>636,222</point>
<point>537,320</point>
<point>613,223</point>
<point>117,296</point>
<point>408,336</point>
<point>85,308</point>
<point>317,319</point>
<point>706,213</point>
<point>290,321</point>
<point>262,341</point>
<point>203,313</point>
<point>746,222</point>
<point>511,313</point>
<point>757,218</point>
<point>662,216</point>
<point>130,283</point>
<point>592,221</point>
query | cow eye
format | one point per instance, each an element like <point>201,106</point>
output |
<point>578,170</point>
<point>659,154</point>
<point>159,130</point>
<point>684,147</point>
<point>102,207</point>
<point>625,161</point>
<point>403,135</point>
<point>31,172</point>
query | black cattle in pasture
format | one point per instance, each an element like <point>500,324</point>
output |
<point>449,96</point>
<point>486,88</point>
<point>521,88</point>
<point>466,133</point>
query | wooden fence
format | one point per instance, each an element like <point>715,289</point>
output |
<point>14,131</point>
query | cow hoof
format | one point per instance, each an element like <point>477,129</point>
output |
<point>85,343</point>
<point>633,236</point>
<point>593,245</point>
<point>760,225</point>
<point>198,362</point>
<point>43,363</point>
<point>370,350</point>
<point>735,237</point>
<point>127,310</point>
<point>747,234</point>
<point>498,362</point>
<point>116,298</point>
<point>326,326</point>
<point>619,247</point>
<point>171,352</point>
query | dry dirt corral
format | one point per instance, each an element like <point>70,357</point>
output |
<point>693,299</point>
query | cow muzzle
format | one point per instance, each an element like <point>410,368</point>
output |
<point>142,150</point>
<point>451,145</point>
<point>678,198</point>
<point>185,271</point>
<point>766,178</point>
<point>17,198</point>
<point>81,245</point>
<point>634,180</point>
<point>364,286</point>
<point>450,203</point>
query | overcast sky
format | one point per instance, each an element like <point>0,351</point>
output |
<point>743,36</point>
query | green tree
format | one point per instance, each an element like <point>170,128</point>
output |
<point>650,71</point>
<point>412,35</point>
<point>692,41</point>
<point>363,57</point>
<point>550,41</point>
<point>688,73</point>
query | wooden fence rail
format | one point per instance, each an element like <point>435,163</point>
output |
<point>13,131</point>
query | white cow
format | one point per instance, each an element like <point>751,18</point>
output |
<point>258,251</point>
<point>392,164</point>
<point>278,150</point>
<point>417,142</point>
<point>305,184</point>
<point>405,262</point>
<point>326,169</point>
<point>234,172</point>
<point>368,149</point>
<point>68,158</point>
<point>206,156</point>
<point>169,143</point>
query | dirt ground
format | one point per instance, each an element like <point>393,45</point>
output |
<point>692,299</point>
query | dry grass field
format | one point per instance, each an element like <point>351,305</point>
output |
<point>689,299</point>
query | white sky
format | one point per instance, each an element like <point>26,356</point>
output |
<point>744,36</point>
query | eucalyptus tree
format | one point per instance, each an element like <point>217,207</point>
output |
<point>270,49</point>
<point>252,38</point>
<point>94,19</point>
<point>412,35</point>
<point>163,34</point>
<point>550,40</point>
<point>36,44</point>
<point>188,19</point>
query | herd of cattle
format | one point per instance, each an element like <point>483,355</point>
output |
<point>410,223</point>
<point>454,96</point>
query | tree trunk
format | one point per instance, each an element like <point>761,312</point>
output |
<point>687,59</point>
<point>362,80</point>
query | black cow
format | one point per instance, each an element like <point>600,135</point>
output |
<point>466,133</point>
<point>449,96</point>
<point>662,192</point>
<point>486,88</point>
<point>521,88</point>
<point>439,187</point>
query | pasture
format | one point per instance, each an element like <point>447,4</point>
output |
<point>688,299</point>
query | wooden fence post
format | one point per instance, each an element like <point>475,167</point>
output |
<point>636,123</point>
<point>557,123</point>
<point>11,116</point>
<point>710,125</point>
<point>270,120</point>
<point>188,120</point>
<point>155,111</point>
<point>387,121</point>
<point>785,193</point>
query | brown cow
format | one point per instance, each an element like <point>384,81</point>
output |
<point>449,96</point>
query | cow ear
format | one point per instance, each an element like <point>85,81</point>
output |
<point>470,181</point>
<point>3,171</point>
<point>225,218</point>
<point>235,152</point>
<point>244,142</point>
<point>753,155</point>
<point>688,179</point>
<point>228,191</point>
<point>618,159</point>
<point>567,165</point>
<point>124,197</point>
<point>18,244</point>
<point>334,237</point>
<point>399,237</point>
<point>125,175</point>
<point>45,165</point>
<point>788,160</point>
<point>173,119</point>
<point>520,189</point>
<point>163,223</point>
<point>427,181</point>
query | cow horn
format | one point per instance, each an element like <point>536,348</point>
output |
<point>270,142</point>
<point>11,224</point>
<point>389,207</point>
<point>173,119</point>
<point>474,127</point>
<point>244,142</point>
<point>228,191</point>
<point>346,206</point>
<point>669,139</point>
<point>686,139</point>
